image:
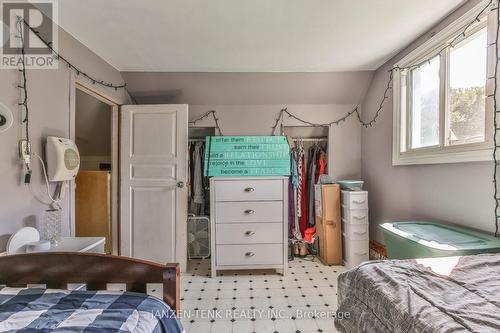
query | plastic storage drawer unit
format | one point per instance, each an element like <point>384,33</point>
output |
<point>419,239</point>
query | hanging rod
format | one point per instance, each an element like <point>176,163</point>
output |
<point>322,139</point>
<point>294,139</point>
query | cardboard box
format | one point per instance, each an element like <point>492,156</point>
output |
<point>328,223</point>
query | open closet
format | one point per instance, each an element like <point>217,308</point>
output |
<point>309,152</point>
<point>309,160</point>
<point>198,222</point>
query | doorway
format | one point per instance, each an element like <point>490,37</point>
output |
<point>96,190</point>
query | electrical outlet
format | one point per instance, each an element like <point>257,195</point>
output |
<point>25,152</point>
<point>27,177</point>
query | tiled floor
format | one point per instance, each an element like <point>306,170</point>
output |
<point>261,302</point>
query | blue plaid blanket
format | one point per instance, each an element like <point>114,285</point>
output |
<point>51,310</point>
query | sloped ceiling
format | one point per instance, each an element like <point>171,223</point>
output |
<point>249,36</point>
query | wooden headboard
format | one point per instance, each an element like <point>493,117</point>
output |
<point>57,269</point>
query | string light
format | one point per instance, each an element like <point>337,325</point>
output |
<point>212,113</point>
<point>337,122</point>
<point>279,119</point>
<point>451,44</point>
<point>495,124</point>
<point>58,56</point>
<point>373,120</point>
<point>24,82</point>
<point>23,86</point>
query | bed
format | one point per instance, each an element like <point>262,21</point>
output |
<point>83,292</point>
<point>451,294</point>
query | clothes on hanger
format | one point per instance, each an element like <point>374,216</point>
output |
<point>296,230</point>
<point>198,192</point>
<point>198,185</point>
<point>321,169</point>
<point>303,198</point>
<point>311,180</point>
<point>294,178</point>
<point>191,169</point>
<point>299,157</point>
<point>291,211</point>
<point>306,167</point>
<point>293,220</point>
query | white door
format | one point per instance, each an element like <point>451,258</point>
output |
<point>153,176</point>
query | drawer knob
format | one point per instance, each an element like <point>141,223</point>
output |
<point>359,217</point>
<point>250,233</point>
<point>249,254</point>
<point>358,202</point>
<point>360,232</point>
<point>361,253</point>
<point>249,211</point>
<point>249,189</point>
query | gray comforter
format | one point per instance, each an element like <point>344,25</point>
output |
<point>454,294</point>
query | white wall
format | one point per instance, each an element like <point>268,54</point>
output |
<point>50,104</point>
<point>248,88</point>
<point>459,193</point>
<point>92,125</point>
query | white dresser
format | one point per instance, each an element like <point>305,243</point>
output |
<point>355,237</point>
<point>249,223</point>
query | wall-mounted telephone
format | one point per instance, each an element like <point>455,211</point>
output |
<point>63,159</point>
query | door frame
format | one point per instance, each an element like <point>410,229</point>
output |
<point>87,88</point>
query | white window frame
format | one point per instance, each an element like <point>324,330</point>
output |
<point>472,152</point>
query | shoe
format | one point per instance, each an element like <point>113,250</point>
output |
<point>303,251</point>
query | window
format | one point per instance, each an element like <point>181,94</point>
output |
<point>441,111</point>
<point>425,82</point>
<point>466,94</point>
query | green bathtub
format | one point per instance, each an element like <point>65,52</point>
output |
<point>419,239</point>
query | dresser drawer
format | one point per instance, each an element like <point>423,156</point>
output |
<point>250,233</point>
<point>248,255</point>
<point>355,252</point>
<point>358,216</point>
<point>355,231</point>
<point>248,212</point>
<point>251,190</point>
<point>355,200</point>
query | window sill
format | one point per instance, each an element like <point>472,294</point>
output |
<point>483,154</point>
